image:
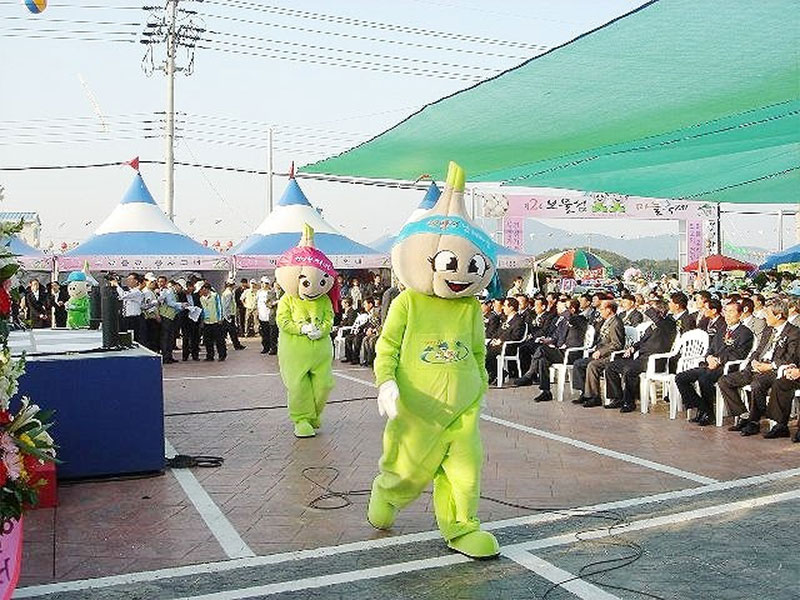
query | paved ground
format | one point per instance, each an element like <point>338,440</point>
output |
<point>709,514</point>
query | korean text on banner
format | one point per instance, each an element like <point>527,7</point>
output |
<point>513,237</point>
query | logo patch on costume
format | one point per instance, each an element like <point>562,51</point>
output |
<point>442,352</point>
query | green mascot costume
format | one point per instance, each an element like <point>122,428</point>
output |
<point>429,367</point>
<point>78,304</point>
<point>305,319</point>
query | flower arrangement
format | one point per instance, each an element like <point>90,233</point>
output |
<point>24,441</point>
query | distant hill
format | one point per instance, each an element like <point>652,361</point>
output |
<point>659,247</point>
<point>621,263</point>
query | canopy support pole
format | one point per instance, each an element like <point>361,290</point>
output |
<point>270,172</point>
<point>169,163</point>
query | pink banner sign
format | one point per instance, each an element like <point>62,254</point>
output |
<point>256,262</point>
<point>694,241</point>
<point>600,206</point>
<point>513,233</point>
<point>154,262</point>
<point>36,263</point>
<point>10,557</point>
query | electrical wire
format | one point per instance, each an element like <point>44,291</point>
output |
<point>330,499</point>
<point>340,20</point>
<point>366,38</point>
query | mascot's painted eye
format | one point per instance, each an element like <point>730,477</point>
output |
<point>477,265</point>
<point>445,261</point>
<point>306,283</point>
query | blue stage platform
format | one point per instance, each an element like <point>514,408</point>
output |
<point>109,404</point>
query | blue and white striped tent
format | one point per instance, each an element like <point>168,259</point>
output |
<point>281,230</point>
<point>506,258</point>
<point>138,235</point>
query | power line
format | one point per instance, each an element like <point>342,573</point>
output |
<point>366,38</point>
<point>340,20</point>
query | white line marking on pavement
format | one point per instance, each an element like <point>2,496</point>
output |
<point>642,462</point>
<point>566,580</point>
<point>649,464</point>
<point>443,561</point>
<point>681,517</point>
<point>335,579</point>
<point>233,545</point>
<point>356,379</point>
<point>386,542</point>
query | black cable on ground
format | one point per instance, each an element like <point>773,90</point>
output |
<point>342,500</point>
<point>185,461</point>
<point>250,408</point>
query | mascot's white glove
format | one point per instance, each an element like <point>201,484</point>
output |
<point>314,334</point>
<point>307,328</point>
<point>388,393</point>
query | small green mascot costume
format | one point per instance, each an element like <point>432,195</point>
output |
<point>429,367</point>
<point>305,319</point>
<point>78,304</point>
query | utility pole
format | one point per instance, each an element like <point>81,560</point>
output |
<point>169,69</point>
<point>175,28</point>
<point>269,171</point>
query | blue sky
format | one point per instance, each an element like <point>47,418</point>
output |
<point>51,91</point>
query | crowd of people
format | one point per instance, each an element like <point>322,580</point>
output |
<point>760,330</point>
<point>759,327</point>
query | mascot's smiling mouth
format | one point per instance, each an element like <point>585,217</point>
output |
<point>312,296</point>
<point>458,286</point>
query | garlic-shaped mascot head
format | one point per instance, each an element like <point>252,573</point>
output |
<point>306,272</point>
<point>443,253</point>
<point>77,285</point>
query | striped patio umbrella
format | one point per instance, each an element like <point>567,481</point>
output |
<point>580,260</point>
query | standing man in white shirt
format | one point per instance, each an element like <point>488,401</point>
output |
<point>132,299</point>
<point>249,301</point>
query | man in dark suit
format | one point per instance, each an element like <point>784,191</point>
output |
<point>491,320</point>
<point>512,330</point>
<point>37,301</point>
<point>571,334</point>
<point>629,315</point>
<point>557,325</point>
<point>684,321</point>
<point>714,319</point>
<point>779,346</point>
<point>657,339</point>
<point>732,342</point>
<point>543,320</point>
<point>701,300</point>
<point>586,372</point>
<point>779,406</point>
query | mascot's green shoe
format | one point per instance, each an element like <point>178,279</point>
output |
<point>303,429</point>
<point>315,423</point>
<point>476,544</point>
<point>380,514</point>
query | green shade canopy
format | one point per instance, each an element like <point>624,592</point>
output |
<point>678,99</point>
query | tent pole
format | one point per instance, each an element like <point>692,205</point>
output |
<point>719,229</point>
<point>780,230</point>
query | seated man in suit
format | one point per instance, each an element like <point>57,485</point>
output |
<point>701,300</point>
<point>586,372</point>
<point>778,347</point>
<point>551,350</point>
<point>684,321</point>
<point>556,327</point>
<point>491,320</point>
<point>779,406</point>
<point>750,320</point>
<point>629,315</point>
<point>732,342</point>
<point>512,330</point>
<point>657,339</point>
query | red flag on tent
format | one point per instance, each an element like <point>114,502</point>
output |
<point>133,163</point>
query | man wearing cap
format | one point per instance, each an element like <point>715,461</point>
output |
<point>250,303</point>
<point>229,314</point>
<point>213,335</point>
<point>265,300</point>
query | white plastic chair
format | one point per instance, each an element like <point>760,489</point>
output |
<point>338,342</point>
<point>562,372</point>
<point>505,357</point>
<point>691,347</point>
